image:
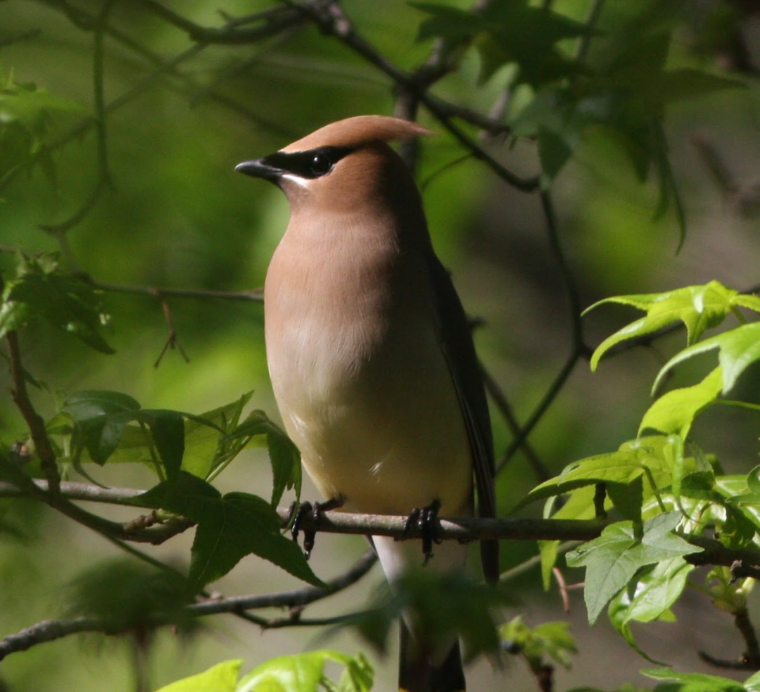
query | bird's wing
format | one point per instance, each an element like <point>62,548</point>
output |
<point>459,351</point>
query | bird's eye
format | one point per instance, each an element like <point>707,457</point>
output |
<point>320,164</point>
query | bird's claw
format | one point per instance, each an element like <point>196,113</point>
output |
<point>425,521</point>
<point>313,510</point>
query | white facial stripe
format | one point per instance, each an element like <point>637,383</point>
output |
<point>295,179</point>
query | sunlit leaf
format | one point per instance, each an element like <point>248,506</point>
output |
<point>698,307</point>
<point>305,672</point>
<point>547,640</point>
<point>206,446</point>
<point>612,559</point>
<point>219,678</point>
<point>675,411</point>
<point>738,349</point>
<point>693,682</point>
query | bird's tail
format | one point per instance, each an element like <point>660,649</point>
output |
<point>418,673</point>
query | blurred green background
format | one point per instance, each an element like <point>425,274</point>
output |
<point>177,215</point>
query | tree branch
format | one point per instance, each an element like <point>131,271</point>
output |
<point>331,19</point>
<point>33,419</point>
<point>463,529</point>
<point>50,630</point>
<point>287,599</point>
<point>270,22</point>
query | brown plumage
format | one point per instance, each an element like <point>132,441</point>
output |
<point>370,355</point>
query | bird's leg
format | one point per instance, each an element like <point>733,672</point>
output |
<point>315,509</point>
<point>425,520</point>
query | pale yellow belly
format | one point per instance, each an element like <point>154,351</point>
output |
<point>390,440</point>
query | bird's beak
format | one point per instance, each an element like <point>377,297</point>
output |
<point>260,168</point>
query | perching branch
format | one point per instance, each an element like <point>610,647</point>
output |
<point>463,529</point>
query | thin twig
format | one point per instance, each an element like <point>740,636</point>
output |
<point>50,630</point>
<point>255,296</point>
<point>578,348</point>
<point>36,424</point>
<point>333,21</point>
<point>104,177</point>
<point>287,599</point>
<point>592,19</point>
<point>272,22</point>
<point>540,410</point>
<point>172,341</point>
<point>752,648</point>
<point>500,399</point>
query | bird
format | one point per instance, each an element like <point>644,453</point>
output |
<point>371,356</point>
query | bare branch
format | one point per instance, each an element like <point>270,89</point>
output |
<point>270,23</point>
<point>255,296</point>
<point>50,630</point>
<point>33,419</point>
<point>331,19</point>
<point>287,599</point>
<point>500,399</point>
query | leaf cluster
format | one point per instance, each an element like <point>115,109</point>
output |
<point>662,485</point>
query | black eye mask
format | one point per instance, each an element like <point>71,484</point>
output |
<point>310,164</point>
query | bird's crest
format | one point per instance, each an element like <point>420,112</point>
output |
<point>357,131</point>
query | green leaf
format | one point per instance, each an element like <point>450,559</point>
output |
<point>634,477</point>
<point>658,589</point>
<point>627,497</point>
<point>692,682</point>
<point>549,552</point>
<point>616,612</point>
<point>25,113</point>
<point>508,32</point>
<point>675,411</point>
<point>612,559</point>
<point>358,675</point>
<point>92,403</point>
<point>444,606</point>
<point>63,300</point>
<point>99,419</point>
<point>283,454</point>
<point>554,152</point>
<point>550,639</point>
<point>686,83</point>
<point>286,465</point>
<point>305,673</point>
<point>206,444</point>
<point>219,678</point>
<point>738,349</point>
<point>698,307</point>
<point>168,430</point>
<point>130,595</point>
<point>229,528</point>
<point>752,683</point>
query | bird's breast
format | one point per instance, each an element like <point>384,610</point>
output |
<point>361,382</point>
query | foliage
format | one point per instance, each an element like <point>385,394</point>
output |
<point>298,673</point>
<point>576,85</point>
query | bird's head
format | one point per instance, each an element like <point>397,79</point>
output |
<point>341,165</point>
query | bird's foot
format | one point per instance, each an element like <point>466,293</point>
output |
<point>424,520</point>
<point>299,512</point>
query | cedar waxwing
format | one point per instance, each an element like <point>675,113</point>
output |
<point>370,355</point>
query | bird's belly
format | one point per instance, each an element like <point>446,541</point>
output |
<point>384,434</point>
